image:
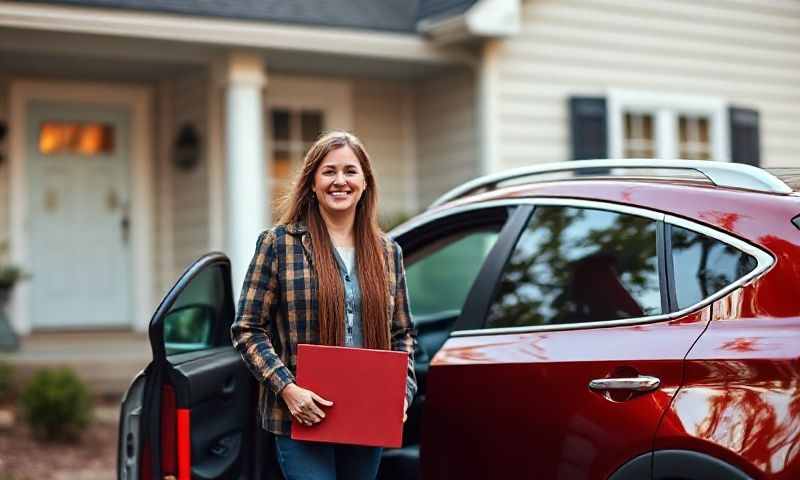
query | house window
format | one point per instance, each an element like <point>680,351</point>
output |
<point>293,132</point>
<point>652,125</point>
<point>694,143</point>
<point>640,140</point>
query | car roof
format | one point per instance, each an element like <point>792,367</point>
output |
<point>749,214</point>
<point>724,174</point>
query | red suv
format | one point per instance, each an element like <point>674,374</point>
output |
<point>602,325</point>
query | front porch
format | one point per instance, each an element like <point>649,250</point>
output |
<point>249,112</point>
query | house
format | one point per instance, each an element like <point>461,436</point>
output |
<point>141,134</point>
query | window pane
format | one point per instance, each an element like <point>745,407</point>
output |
<point>311,125</point>
<point>704,266</point>
<point>440,281</point>
<point>693,137</point>
<point>639,136</point>
<point>280,125</point>
<point>73,138</point>
<point>575,265</point>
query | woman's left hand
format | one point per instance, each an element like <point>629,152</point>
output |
<point>405,408</point>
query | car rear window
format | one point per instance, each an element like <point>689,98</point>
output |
<point>704,265</point>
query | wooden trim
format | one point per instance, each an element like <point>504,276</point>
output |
<point>138,99</point>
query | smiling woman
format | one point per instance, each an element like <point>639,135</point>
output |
<point>326,274</point>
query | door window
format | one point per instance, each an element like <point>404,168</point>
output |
<point>704,265</point>
<point>440,276</point>
<point>75,138</point>
<point>574,265</point>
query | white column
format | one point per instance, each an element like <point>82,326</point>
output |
<point>247,197</point>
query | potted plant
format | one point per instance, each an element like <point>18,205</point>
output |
<point>9,276</point>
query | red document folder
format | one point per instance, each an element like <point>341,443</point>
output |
<point>367,388</point>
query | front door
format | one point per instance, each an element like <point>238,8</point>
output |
<point>79,207</point>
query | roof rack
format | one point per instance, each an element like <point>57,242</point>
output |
<point>723,174</point>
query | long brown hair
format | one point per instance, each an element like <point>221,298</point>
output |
<point>301,206</point>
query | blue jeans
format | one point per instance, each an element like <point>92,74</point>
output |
<point>326,461</point>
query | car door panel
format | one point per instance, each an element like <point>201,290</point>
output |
<point>510,402</point>
<point>218,392</point>
<point>531,409</point>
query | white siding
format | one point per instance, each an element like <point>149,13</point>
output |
<point>745,52</point>
<point>163,258</point>
<point>4,162</point>
<point>383,121</point>
<point>190,187</point>
<point>447,135</point>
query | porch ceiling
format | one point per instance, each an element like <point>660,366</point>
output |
<point>105,57</point>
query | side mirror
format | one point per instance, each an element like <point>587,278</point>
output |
<point>188,328</point>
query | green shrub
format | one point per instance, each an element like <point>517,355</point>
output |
<point>56,405</point>
<point>6,383</point>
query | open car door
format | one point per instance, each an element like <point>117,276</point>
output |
<point>192,412</point>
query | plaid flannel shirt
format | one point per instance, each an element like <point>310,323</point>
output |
<point>278,309</point>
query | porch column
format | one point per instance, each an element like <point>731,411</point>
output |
<point>246,179</point>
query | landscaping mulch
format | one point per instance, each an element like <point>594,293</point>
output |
<point>92,457</point>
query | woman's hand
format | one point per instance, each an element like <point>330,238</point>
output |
<point>302,404</point>
<point>405,409</point>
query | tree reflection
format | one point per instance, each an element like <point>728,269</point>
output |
<point>755,412</point>
<point>579,265</point>
<point>704,265</point>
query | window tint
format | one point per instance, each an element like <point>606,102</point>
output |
<point>704,266</point>
<point>190,322</point>
<point>440,276</point>
<point>575,265</point>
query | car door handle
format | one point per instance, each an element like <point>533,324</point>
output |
<point>229,388</point>
<point>642,383</point>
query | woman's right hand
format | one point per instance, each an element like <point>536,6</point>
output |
<point>302,404</point>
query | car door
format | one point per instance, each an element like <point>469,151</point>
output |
<point>443,255</point>
<point>191,412</point>
<point>567,353</point>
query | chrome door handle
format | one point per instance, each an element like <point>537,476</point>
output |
<point>641,383</point>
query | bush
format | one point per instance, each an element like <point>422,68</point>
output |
<point>6,382</point>
<point>56,405</point>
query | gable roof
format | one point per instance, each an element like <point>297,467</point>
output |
<point>384,15</point>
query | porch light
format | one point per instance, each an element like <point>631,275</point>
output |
<point>186,151</point>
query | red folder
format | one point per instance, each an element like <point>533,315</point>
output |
<point>367,388</point>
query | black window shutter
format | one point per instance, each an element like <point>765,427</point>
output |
<point>587,117</point>
<point>745,147</point>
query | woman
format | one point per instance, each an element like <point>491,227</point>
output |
<point>326,274</point>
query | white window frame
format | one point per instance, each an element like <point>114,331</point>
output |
<point>666,109</point>
<point>331,96</point>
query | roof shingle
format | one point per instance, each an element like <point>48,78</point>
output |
<point>385,15</point>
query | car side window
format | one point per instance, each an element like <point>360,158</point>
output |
<point>704,265</point>
<point>189,325</point>
<point>440,275</point>
<point>575,265</point>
